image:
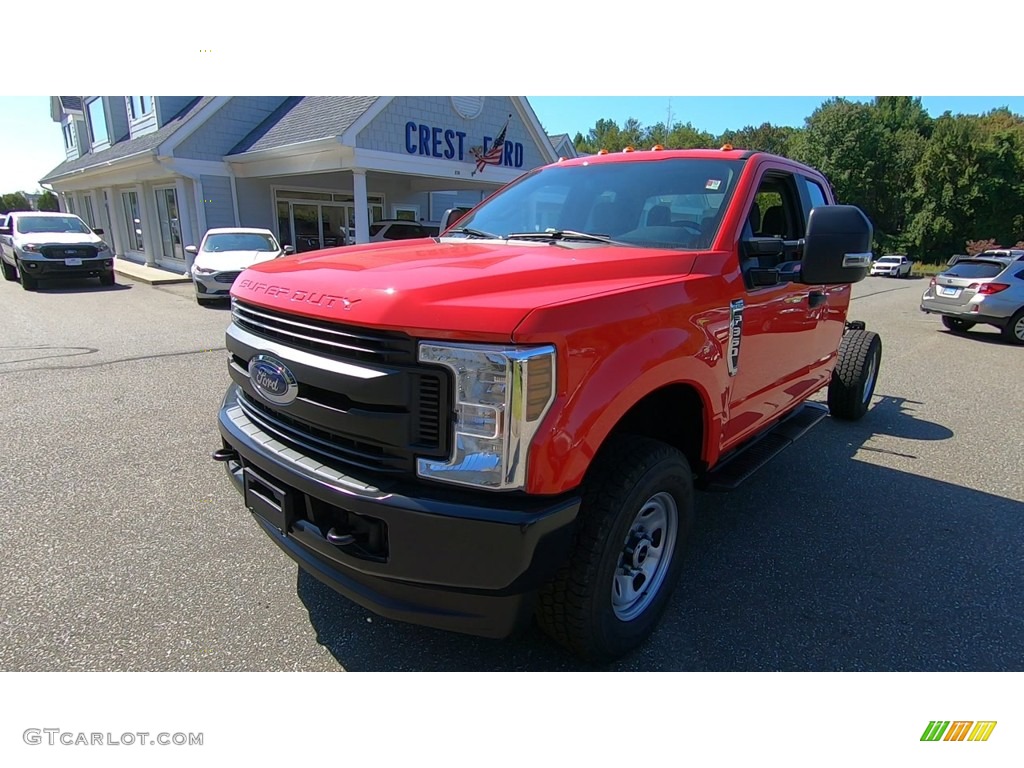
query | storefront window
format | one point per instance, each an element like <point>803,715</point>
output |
<point>133,218</point>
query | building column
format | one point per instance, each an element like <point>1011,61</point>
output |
<point>113,204</point>
<point>197,189</point>
<point>189,235</point>
<point>150,227</point>
<point>362,205</point>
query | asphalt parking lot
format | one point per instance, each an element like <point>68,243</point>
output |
<point>896,543</point>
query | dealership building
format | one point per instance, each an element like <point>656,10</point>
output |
<point>155,172</point>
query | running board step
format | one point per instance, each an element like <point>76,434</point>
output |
<point>738,468</point>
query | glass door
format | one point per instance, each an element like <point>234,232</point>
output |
<point>170,224</point>
<point>306,219</point>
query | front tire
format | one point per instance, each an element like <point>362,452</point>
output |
<point>855,375</point>
<point>28,282</point>
<point>10,273</point>
<point>634,523</point>
<point>108,280</point>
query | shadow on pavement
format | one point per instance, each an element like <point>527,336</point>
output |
<point>821,561</point>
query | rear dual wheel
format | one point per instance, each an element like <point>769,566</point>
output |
<point>855,375</point>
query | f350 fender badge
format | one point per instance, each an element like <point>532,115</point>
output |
<point>735,335</point>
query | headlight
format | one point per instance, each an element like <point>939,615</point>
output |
<point>501,396</point>
<point>201,271</point>
<point>30,248</point>
<point>101,247</point>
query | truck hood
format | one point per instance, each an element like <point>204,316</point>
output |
<point>467,289</point>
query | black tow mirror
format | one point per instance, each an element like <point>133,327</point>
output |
<point>98,231</point>
<point>837,249</point>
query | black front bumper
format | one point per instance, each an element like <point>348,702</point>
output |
<point>444,558</point>
<point>47,268</point>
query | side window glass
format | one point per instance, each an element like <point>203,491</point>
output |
<point>779,208</point>
<point>815,193</point>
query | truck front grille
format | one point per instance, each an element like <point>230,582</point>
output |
<point>329,447</point>
<point>383,422</point>
<point>68,251</point>
<point>340,342</point>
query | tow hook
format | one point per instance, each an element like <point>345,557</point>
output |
<point>855,325</point>
<point>340,539</point>
<point>224,454</point>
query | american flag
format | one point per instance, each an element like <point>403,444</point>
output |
<point>493,155</point>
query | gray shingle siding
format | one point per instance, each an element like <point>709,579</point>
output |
<point>229,125</point>
<point>217,200</point>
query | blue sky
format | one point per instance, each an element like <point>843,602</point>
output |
<point>716,114</point>
<point>32,145</point>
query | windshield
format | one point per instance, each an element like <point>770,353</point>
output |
<point>889,260</point>
<point>239,241</point>
<point>26,224</point>
<point>669,203</point>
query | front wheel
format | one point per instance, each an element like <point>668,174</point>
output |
<point>855,375</point>
<point>634,522</point>
<point>10,273</point>
<point>108,280</point>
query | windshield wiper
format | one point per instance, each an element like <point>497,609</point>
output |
<point>560,234</point>
<point>470,232</point>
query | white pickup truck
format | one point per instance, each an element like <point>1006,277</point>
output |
<point>37,245</point>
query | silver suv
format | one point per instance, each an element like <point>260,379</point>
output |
<point>987,288</point>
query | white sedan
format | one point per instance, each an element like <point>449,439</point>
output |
<point>892,266</point>
<point>225,253</point>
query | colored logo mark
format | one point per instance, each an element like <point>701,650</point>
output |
<point>958,730</point>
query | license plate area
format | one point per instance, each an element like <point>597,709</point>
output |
<point>273,503</point>
<point>947,290</point>
<point>72,262</point>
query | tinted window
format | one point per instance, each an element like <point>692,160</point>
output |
<point>971,269</point>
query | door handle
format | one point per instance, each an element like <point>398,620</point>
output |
<point>816,298</point>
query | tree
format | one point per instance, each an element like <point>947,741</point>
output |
<point>14,201</point>
<point>766,137</point>
<point>47,202</point>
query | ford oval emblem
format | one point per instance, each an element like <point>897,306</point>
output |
<point>272,380</point>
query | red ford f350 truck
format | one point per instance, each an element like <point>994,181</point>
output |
<point>509,420</point>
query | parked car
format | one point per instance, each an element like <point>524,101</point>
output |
<point>400,229</point>
<point>892,266</point>
<point>224,253</point>
<point>985,289</point>
<point>36,245</point>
